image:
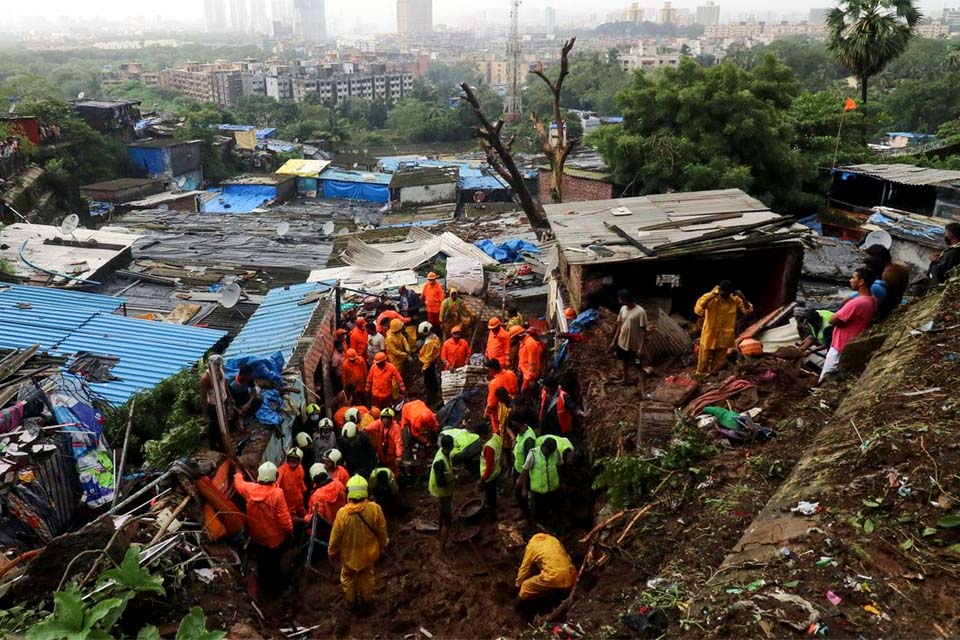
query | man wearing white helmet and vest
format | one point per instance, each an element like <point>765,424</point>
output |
<point>268,523</point>
<point>429,358</point>
<point>331,462</point>
<point>328,496</point>
<point>358,538</point>
<point>359,456</point>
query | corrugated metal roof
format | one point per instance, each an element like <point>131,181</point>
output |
<point>278,323</point>
<point>303,168</point>
<point>149,351</point>
<point>419,247</point>
<point>51,316</point>
<point>904,173</point>
<point>423,175</point>
<point>365,177</point>
<point>652,220</point>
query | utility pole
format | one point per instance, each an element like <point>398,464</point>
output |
<point>512,107</point>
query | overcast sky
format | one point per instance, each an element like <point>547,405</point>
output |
<point>444,10</point>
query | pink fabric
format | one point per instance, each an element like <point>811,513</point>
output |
<point>727,389</point>
<point>853,319</point>
<point>11,417</point>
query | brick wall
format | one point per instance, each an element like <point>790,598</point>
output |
<point>574,189</point>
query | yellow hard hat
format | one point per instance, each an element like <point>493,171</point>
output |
<point>396,325</point>
<point>388,413</point>
<point>267,472</point>
<point>357,488</point>
<point>312,409</point>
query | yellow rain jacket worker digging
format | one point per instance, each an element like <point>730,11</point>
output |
<point>719,310</point>
<point>557,574</point>
<point>358,538</point>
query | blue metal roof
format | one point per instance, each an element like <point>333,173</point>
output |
<point>235,127</point>
<point>277,324</point>
<point>65,322</point>
<point>481,183</point>
<point>363,177</point>
<point>269,132</point>
<point>50,317</point>
<point>239,201</point>
<point>149,351</point>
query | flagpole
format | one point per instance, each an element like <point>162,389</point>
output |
<point>836,150</point>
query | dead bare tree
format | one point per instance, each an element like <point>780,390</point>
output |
<point>557,150</point>
<point>499,156</point>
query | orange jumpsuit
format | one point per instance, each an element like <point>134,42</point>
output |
<point>455,353</point>
<point>290,481</point>
<point>387,443</point>
<point>506,379</point>
<point>328,499</point>
<point>380,381</point>
<point>268,519</point>
<point>531,357</point>
<point>340,417</point>
<point>433,296</point>
<point>498,347</point>
<point>421,421</point>
<point>354,372</point>
<point>340,473</point>
<point>357,340</point>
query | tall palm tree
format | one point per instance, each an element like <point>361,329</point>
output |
<point>866,35</point>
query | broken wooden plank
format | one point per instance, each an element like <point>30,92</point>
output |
<point>630,239</point>
<point>725,233</point>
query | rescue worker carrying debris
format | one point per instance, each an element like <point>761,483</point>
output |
<point>385,437</point>
<point>429,355</point>
<point>397,346</point>
<point>499,377</point>
<point>719,310</point>
<point>546,570</point>
<point>269,525</point>
<point>358,538</point>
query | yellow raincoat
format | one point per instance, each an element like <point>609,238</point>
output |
<point>430,351</point>
<point>556,571</point>
<point>719,327</point>
<point>396,346</point>
<point>453,313</point>
<point>358,537</point>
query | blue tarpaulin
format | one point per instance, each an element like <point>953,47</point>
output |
<point>356,191</point>
<point>150,161</point>
<point>508,251</point>
<point>909,227</point>
<point>263,368</point>
<point>240,198</point>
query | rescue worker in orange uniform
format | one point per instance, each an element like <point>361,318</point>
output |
<point>357,338</point>
<point>433,296</point>
<point>381,380</point>
<point>498,343</point>
<point>290,481</point>
<point>417,424</point>
<point>455,352</point>
<point>557,409</point>
<point>328,496</point>
<point>358,538</point>
<point>352,413</point>
<point>530,361</point>
<point>499,377</point>
<point>354,371</point>
<point>385,437</point>
<point>331,462</point>
<point>516,334</point>
<point>546,570</point>
<point>269,525</point>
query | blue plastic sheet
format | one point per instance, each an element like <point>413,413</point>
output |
<point>263,368</point>
<point>509,251</point>
<point>270,407</point>
<point>356,191</point>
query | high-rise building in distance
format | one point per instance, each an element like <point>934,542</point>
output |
<point>215,15</point>
<point>414,16</point>
<point>668,14</point>
<point>818,15</point>
<point>310,21</point>
<point>634,14</point>
<point>708,14</point>
<point>239,16</point>
<point>551,16</point>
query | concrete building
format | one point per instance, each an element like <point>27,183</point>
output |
<point>636,59</point>
<point>218,82</point>
<point>952,18</point>
<point>279,87</point>
<point>634,14</point>
<point>310,21</point>
<point>215,15</point>
<point>708,14</point>
<point>414,17</point>
<point>933,29</point>
<point>551,19</point>
<point>391,87</point>
<point>668,14</point>
<point>818,15</point>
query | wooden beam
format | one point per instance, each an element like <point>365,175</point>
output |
<point>630,239</point>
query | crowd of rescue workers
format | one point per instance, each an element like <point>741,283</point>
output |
<point>351,463</point>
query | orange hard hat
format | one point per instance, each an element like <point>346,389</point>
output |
<point>341,332</point>
<point>494,323</point>
<point>380,357</point>
<point>457,329</point>
<point>431,276</point>
<point>396,325</point>
<point>569,313</point>
<point>751,347</point>
<point>352,354</point>
<point>515,330</point>
<point>375,412</point>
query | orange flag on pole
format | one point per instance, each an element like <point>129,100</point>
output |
<point>849,105</point>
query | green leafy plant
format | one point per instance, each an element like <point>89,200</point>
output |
<point>192,627</point>
<point>131,577</point>
<point>72,621</point>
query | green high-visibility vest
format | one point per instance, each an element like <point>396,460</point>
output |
<point>563,444</point>
<point>825,317</point>
<point>435,489</point>
<point>519,450</point>
<point>461,439</point>
<point>496,443</point>
<point>374,481</point>
<point>544,476</point>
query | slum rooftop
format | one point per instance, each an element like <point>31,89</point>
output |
<point>905,174</point>
<point>587,232</point>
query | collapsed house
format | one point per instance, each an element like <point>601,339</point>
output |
<point>670,249</point>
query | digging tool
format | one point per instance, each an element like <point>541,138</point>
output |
<point>313,536</point>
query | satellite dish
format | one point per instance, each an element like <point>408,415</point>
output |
<point>230,295</point>
<point>181,182</point>
<point>879,237</point>
<point>70,224</point>
<point>283,228</point>
<point>81,95</point>
<point>327,228</point>
<point>164,207</point>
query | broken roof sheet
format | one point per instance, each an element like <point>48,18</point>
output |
<point>364,177</point>
<point>654,221</point>
<point>303,168</point>
<point>419,247</point>
<point>904,174</point>
<point>82,254</point>
<point>423,175</point>
<point>279,322</point>
<point>370,281</point>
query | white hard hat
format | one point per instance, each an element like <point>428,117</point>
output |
<point>349,430</point>
<point>424,327</point>
<point>334,455</point>
<point>318,470</point>
<point>326,423</point>
<point>352,415</point>
<point>295,452</point>
<point>303,440</point>
<point>267,472</point>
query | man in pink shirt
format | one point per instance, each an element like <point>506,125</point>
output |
<point>853,318</point>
